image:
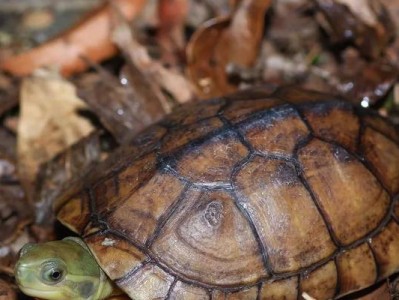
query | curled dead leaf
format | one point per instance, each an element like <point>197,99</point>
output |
<point>222,42</point>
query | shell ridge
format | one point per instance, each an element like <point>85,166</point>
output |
<point>338,284</point>
<point>377,265</point>
<point>245,214</point>
<point>241,209</point>
<point>305,183</point>
<point>384,220</point>
<point>130,274</point>
<point>322,213</point>
<point>171,287</point>
<point>166,216</point>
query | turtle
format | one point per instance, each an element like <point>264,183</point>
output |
<point>288,194</point>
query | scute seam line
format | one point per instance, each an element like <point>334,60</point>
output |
<point>165,217</point>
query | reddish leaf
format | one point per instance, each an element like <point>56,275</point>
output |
<point>89,38</point>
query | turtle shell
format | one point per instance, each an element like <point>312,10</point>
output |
<point>252,196</point>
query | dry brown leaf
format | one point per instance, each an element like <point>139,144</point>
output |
<point>49,123</point>
<point>160,77</point>
<point>223,42</point>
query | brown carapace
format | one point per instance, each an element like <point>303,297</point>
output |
<point>252,196</point>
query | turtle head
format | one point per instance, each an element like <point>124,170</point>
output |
<point>61,270</point>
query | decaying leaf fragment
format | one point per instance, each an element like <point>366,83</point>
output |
<point>225,42</point>
<point>364,23</point>
<point>49,123</point>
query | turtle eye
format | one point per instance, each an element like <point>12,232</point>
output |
<point>52,273</point>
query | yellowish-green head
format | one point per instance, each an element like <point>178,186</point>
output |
<point>61,270</point>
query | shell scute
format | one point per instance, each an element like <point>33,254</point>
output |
<point>386,249</point>
<point>184,291</point>
<point>75,213</point>
<point>321,283</point>
<point>212,161</point>
<point>334,122</point>
<point>207,239</point>
<point>147,282</point>
<point>119,185</point>
<point>240,110</point>
<point>286,289</point>
<point>116,256</point>
<point>180,137</point>
<point>146,207</point>
<point>246,294</point>
<point>277,131</point>
<point>194,113</point>
<point>383,154</point>
<point>283,213</point>
<point>356,269</point>
<point>382,125</point>
<point>349,195</point>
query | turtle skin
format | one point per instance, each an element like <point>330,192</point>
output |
<point>250,196</point>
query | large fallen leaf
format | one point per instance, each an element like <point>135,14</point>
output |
<point>49,123</point>
<point>223,42</point>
